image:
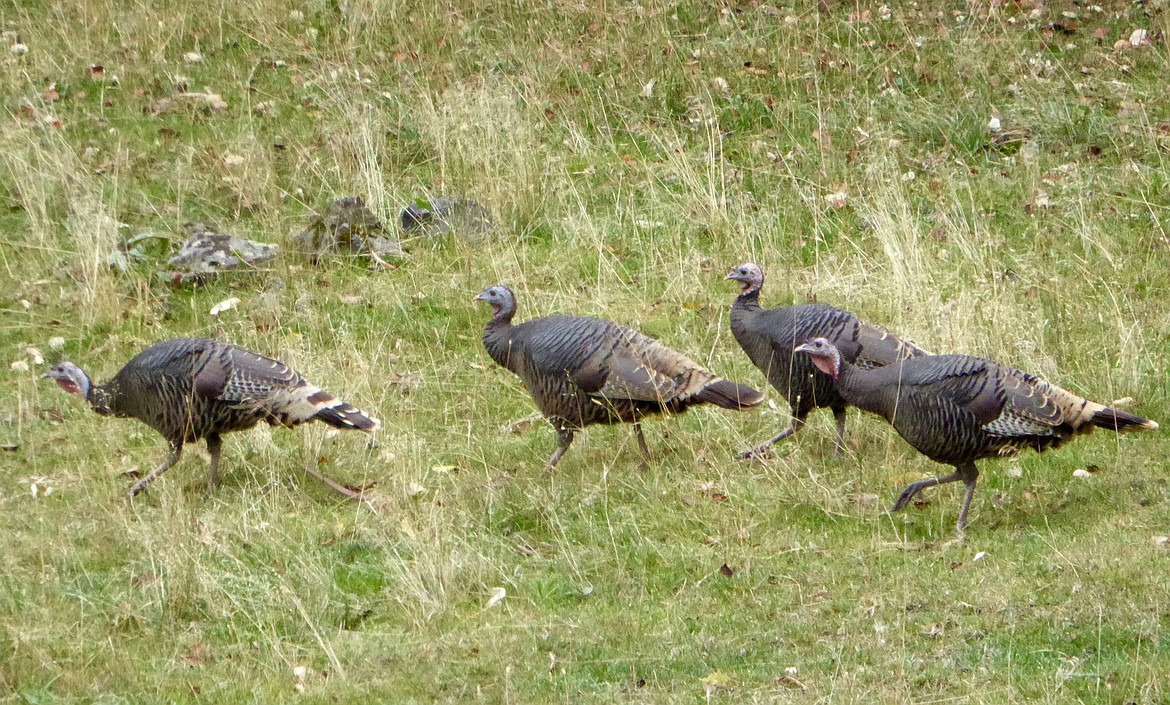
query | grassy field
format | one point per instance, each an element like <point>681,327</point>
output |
<point>632,153</point>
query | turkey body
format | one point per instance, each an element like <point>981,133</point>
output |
<point>957,409</point>
<point>582,371</point>
<point>193,388</point>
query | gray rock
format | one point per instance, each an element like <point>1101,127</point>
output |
<point>443,215</point>
<point>207,252</point>
<point>347,226</point>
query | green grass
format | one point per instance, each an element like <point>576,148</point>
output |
<point>612,197</point>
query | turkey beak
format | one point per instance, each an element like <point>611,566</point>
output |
<point>803,347</point>
<point>731,276</point>
<point>481,296</point>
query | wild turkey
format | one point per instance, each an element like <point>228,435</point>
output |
<point>582,371</point>
<point>768,336</point>
<point>956,409</point>
<point>192,388</point>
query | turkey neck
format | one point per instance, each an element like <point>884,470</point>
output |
<point>497,336</point>
<point>101,397</point>
<point>747,301</point>
<point>868,390</point>
<point>746,305</point>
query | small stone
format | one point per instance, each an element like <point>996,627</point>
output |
<point>19,366</point>
<point>193,57</point>
<point>19,48</point>
<point>56,343</point>
<point>1139,37</point>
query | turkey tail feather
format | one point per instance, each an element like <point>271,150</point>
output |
<point>1121,421</point>
<point>729,395</point>
<point>342,415</point>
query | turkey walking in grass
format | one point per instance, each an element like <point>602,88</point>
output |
<point>769,336</point>
<point>582,371</point>
<point>192,388</point>
<point>956,409</point>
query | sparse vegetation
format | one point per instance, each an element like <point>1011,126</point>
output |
<point>631,153</point>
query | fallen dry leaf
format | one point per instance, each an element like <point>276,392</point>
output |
<point>837,200</point>
<point>404,380</point>
<point>713,490</point>
<point>197,653</point>
<point>497,596</point>
<point>864,500</point>
<point>225,305</point>
<point>211,101</point>
<point>517,426</point>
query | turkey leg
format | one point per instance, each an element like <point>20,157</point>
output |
<point>966,472</point>
<point>564,440</point>
<point>171,459</point>
<point>758,451</point>
<point>642,444</point>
